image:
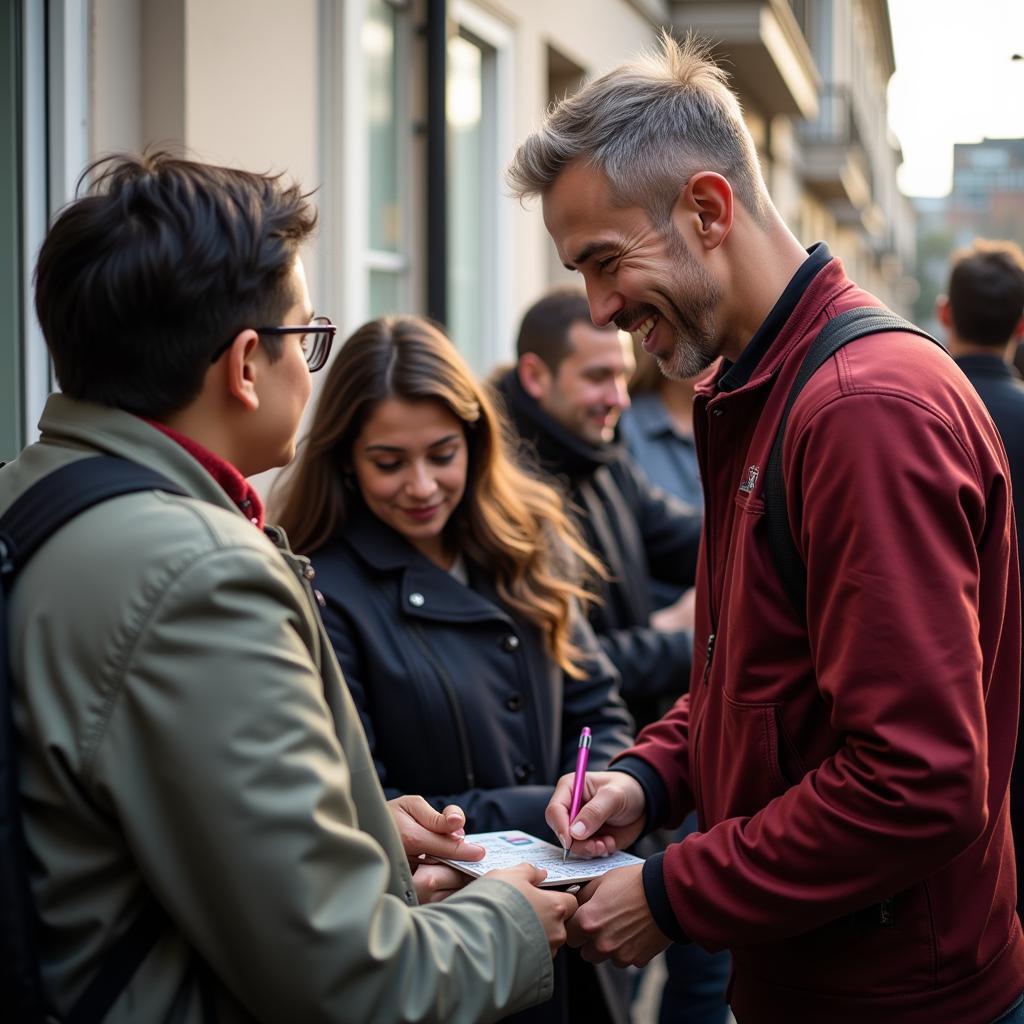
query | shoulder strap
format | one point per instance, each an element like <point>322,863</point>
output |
<point>36,515</point>
<point>839,331</point>
<point>61,495</point>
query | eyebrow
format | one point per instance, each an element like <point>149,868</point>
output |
<point>589,250</point>
<point>447,439</point>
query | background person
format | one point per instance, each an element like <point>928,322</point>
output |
<point>848,756</point>
<point>983,314</point>
<point>564,397</point>
<point>185,736</point>
<point>447,578</point>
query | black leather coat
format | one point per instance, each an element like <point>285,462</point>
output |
<point>459,699</point>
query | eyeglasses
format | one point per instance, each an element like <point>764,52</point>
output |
<point>317,338</point>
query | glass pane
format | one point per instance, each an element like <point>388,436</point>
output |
<point>379,32</point>
<point>385,293</point>
<point>466,216</point>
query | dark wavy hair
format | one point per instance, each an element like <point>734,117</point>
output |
<point>510,522</point>
<point>159,262</point>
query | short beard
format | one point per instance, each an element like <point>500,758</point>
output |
<point>696,345</point>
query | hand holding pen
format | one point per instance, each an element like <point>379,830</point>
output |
<point>609,817</point>
<point>582,756</point>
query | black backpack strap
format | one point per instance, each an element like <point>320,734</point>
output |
<point>839,331</point>
<point>36,515</point>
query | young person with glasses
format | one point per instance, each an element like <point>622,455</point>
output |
<point>186,738</point>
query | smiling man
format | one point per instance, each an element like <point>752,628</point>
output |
<point>565,397</point>
<point>848,753</point>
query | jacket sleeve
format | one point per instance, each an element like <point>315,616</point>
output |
<point>669,527</point>
<point>238,811</point>
<point>651,663</point>
<point>594,701</point>
<point>890,532</point>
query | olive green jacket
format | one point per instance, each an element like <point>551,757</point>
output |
<point>186,732</point>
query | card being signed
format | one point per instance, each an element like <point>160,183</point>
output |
<point>506,849</point>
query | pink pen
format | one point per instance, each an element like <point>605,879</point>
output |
<point>582,756</point>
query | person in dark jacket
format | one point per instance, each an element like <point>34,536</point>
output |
<point>983,314</point>
<point>848,751</point>
<point>565,396</point>
<point>450,593</point>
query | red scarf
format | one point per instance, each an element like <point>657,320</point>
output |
<point>235,486</point>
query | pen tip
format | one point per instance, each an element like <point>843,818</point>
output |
<point>565,854</point>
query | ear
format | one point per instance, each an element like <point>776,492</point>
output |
<point>1018,331</point>
<point>943,311</point>
<point>707,203</point>
<point>534,375</point>
<point>242,369</point>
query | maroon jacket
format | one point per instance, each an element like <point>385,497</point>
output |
<point>850,773</point>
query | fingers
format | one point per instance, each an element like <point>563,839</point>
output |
<point>464,850</point>
<point>557,812</point>
<point>455,818</point>
<point>605,803</point>
<point>435,882</point>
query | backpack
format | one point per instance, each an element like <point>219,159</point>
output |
<point>32,519</point>
<point>839,331</point>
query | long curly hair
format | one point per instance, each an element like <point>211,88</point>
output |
<point>508,521</point>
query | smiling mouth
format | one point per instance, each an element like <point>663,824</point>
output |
<point>641,332</point>
<point>421,512</point>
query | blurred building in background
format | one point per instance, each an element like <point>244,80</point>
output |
<point>402,113</point>
<point>986,201</point>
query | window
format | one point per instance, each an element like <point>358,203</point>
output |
<point>478,115</point>
<point>43,117</point>
<point>384,52</point>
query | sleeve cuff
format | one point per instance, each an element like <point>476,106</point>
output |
<point>657,899</point>
<point>655,795</point>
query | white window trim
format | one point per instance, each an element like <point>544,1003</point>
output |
<point>501,286</point>
<point>55,152</point>
<point>342,202</point>
<point>345,256</point>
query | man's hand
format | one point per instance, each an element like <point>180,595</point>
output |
<point>436,882</point>
<point>611,818</point>
<point>678,616</point>
<point>426,831</point>
<point>614,921</point>
<point>553,908</point>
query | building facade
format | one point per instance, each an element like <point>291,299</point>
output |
<point>402,114</point>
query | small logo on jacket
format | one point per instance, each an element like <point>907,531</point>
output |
<point>748,485</point>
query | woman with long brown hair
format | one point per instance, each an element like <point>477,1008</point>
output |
<point>451,582</point>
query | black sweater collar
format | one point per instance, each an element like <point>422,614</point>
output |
<point>735,375</point>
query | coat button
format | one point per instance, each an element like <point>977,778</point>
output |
<point>509,643</point>
<point>309,572</point>
<point>514,702</point>
<point>523,772</point>
<point>717,412</point>
<point>417,600</point>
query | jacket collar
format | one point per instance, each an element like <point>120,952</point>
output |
<point>558,450</point>
<point>989,365</point>
<point>237,488</point>
<point>100,428</point>
<point>425,590</point>
<point>825,286</point>
<point>734,375</point>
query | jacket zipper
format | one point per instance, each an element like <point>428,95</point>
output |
<point>709,648</point>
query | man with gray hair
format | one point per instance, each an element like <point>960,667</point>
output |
<point>847,744</point>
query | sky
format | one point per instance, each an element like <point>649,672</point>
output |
<point>954,82</point>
